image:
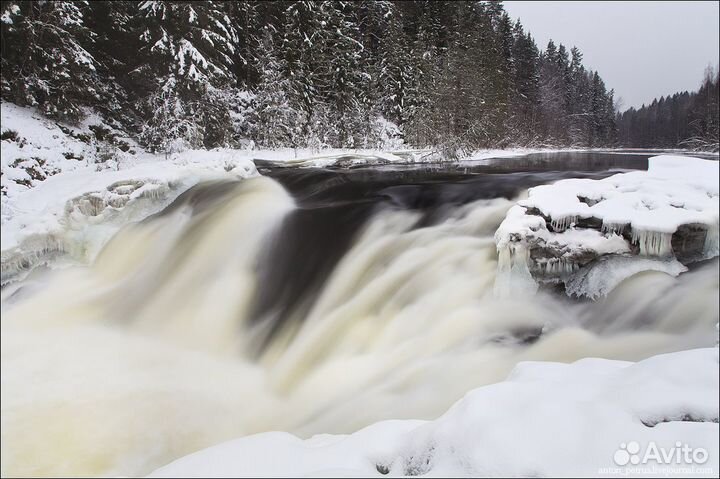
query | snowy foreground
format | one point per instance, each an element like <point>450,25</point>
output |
<point>546,419</point>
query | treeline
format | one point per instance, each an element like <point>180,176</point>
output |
<point>683,120</point>
<point>459,75</point>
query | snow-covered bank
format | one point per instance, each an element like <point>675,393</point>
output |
<point>75,213</point>
<point>546,419</point>
<point>67,189</point>
<point>667,213</point>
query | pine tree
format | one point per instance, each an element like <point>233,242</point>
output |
<point>342,80</point>
<point>45,61</point>
<point>276,121</point>
<point>552,96</point>
<point>186,61</point>
<point>525,104</point>
<point>397,74</point>
<point>114,49</point>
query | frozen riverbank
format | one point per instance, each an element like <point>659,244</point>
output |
<point>659,216</point>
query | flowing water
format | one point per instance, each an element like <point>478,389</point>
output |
<point>309,301</point>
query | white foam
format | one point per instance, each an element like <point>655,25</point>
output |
<point>529,425</point>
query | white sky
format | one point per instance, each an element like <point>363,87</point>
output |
<point>641,49</point>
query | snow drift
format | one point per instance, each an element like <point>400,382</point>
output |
<point>545,420</point>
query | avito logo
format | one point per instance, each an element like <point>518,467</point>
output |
<point>631,453</point>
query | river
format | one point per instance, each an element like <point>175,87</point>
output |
<point>309,301</point>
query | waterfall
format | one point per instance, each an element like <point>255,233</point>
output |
<point>162,346</point>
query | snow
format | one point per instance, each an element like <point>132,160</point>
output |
<point>675,191</point>
<point>486,154</point>
<point>74,205</point>
<point>309,158</point>
<point>40,141</point>
<point>546,419</point>
<point>77,212</point>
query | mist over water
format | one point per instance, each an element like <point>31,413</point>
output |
<point>304,301</point>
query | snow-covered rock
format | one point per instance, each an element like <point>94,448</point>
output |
<point>546,419</point>
<point>668,212</point>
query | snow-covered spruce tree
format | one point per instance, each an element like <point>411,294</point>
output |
<point>428,29</point>
<point>186,61</point>
<point>396,75</point>
<point>525,104</point>
<point>470,91</point>
<point>276,122</point>
<point>300,31</point>
<point>325,72</point>
<point>45,62</point>
<point>703,115</point>
<point>552,98</point>
<point>173,126</point>
<point>598,127</point>
<point>115,49</point>
<point>579,100</point>
<point>344,82</point>
<point>247,24</point>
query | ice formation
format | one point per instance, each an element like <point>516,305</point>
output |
<point>657,213</point>
<point>563,223</point>
<point>652,243</point>
<point>74,214</point>
<point>603,275</point>
<point>513,276</point>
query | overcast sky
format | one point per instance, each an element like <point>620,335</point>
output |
<point>641,49</point>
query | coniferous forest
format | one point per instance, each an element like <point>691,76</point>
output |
<point>456,75</point>
<point>683,120</point>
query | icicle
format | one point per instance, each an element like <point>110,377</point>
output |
<point>513,272</point>
<point>36,251</point>
<point>616,228</point>
<point>561,224</point>
<point>653,243</point>
<point>556,267</point>
<point>712,241</point>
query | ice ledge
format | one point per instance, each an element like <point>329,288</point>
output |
<point>664,215</point>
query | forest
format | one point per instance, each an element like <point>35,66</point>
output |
<point>683,120</point>
<point>453,75</point>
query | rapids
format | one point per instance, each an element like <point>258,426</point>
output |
<point>309,302</point>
